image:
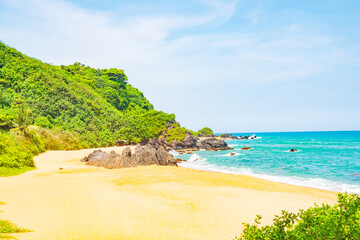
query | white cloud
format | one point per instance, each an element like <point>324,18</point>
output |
<point>164,55</point>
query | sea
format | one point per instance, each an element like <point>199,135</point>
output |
<point>323,160</point>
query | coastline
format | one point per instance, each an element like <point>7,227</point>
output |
<point>152,202</point>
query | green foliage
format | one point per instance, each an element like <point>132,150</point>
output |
<point>206,131</point>
<point>44,122</point>
<point>176,132</point>
<point>340,221</point>
<point>23,118</point>
<point>92,107</point>
<point>195,134</point>
<point>17,149</point>
<point>7,172</point>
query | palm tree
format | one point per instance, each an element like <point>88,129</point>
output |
<point>23,118</point>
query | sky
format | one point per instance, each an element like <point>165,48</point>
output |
<point>232,65</point>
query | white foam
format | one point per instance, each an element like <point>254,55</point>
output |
<point>173,152</point>
<point>300,181</point>
<point>196,158</point>
<point>233,145</point>
<point>229,154</point>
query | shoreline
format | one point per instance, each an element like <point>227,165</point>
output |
<point>293,181</point>
<point>144,202</point>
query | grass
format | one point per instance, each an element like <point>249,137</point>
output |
<point>7,172</point>
<point>7,228</point>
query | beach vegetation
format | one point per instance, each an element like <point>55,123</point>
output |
<point>206,131</point>
<point>7,228</point>
<point>339,221</point>
<point>44,107</point>
<point>176,132</point>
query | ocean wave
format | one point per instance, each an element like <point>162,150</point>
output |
<point>229,154</point>
<point>318,183</point>
<point>196,158</point>
<point>173,152</point>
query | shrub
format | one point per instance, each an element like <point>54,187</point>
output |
<point>206,131</point>
<point>44,122</point>
<point>176,132</point>
<point>340,221</point>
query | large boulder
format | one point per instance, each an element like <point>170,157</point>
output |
<point>212,143</point>
<point>95,155</point>
<point>151,153</point>
<point>189,142</point>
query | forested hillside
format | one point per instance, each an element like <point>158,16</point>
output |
<point>43,106</point>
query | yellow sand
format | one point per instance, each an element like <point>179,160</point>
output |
<point>150,202</point>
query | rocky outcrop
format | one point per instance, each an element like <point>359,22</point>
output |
<point>212,144</point>
<point>245,148</point>
<point>293,150</point>
<point>151,153</point>
<point>190,143</point>
<point>203,135</point>
<point>230,136</point>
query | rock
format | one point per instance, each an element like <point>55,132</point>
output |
<point>120,143</point>
<point>211,143</point>
<point>228,135</point>
<point>189,141</point>
<point>246,148</point>
<point>151,153</point>
<point>189,152</point>
<point>293,150</point>
<point>97,154</point>
<point>232,154</point>
<point>61,169</point>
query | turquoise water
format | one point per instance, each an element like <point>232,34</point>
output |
<point>325,160</point>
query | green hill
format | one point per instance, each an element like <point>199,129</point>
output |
<point>72,106</point>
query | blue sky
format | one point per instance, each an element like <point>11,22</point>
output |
<point>235,66</point>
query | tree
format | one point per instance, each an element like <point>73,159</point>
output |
<point>23,118</point>
<point>206,131</point>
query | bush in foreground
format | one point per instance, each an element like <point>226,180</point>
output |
<point>340,221</point>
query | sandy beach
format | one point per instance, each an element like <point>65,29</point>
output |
<point>150,202</point>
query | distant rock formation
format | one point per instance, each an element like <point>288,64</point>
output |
<point>293,150</point>
<point>151,153</point>
<point>230,136</point>
<point>213,143</point>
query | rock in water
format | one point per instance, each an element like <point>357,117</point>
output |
<point>246,148</point>
<point>293,150</point>
<point>151,153</point>
<point>212,143</point>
